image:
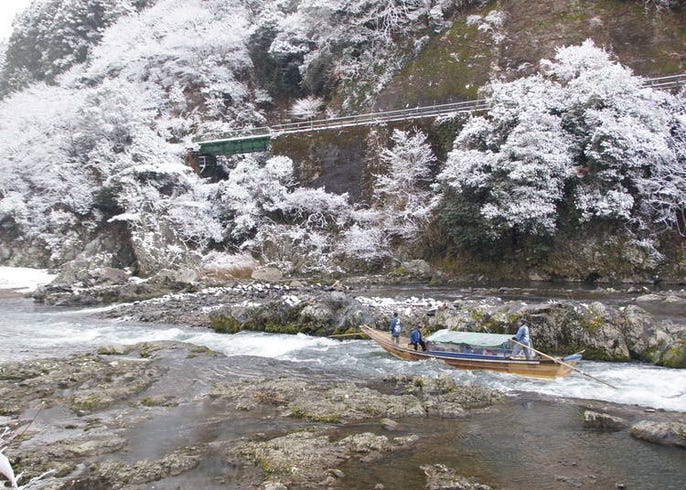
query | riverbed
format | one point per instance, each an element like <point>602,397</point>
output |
<point>534,440</point>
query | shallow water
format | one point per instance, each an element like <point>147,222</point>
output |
<point>532,444</point>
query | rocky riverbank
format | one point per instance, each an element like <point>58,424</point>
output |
<point>128,416</point>
<point>644,326</point>
<point>173,415</point>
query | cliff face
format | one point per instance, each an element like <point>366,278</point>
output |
<point>506,40</point>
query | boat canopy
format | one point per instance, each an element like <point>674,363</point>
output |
<point>470,338</point>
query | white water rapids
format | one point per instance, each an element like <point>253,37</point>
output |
<point>29,330</point>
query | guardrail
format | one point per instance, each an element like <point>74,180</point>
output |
<point>671,81</point>
<point>478,105</point>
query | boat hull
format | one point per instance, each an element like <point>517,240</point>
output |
<point>540,368</point>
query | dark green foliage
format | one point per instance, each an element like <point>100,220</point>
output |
<point>460,218</point>
<point>280,75</point>
<point>442,134</point>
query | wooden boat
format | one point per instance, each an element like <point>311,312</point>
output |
<point>472,350</point>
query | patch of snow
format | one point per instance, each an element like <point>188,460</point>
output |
<point>24,279</point>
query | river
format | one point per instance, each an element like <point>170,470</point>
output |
<point>29,330</point>
<point>535,440</point>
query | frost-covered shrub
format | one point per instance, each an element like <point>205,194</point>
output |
<point>306,108</point>
<point>364,244</point>
<point>250,192</point>
<point>293,247</point>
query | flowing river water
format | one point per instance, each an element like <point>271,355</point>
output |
<point>535,440</point>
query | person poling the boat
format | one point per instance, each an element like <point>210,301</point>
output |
<point>416,337</point>
<point>395,328</point>
<point>523,337</point>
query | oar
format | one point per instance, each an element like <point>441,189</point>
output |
<point>348,334</point>
<point>565,364</point>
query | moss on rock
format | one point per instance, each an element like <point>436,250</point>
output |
<point>675,355</point>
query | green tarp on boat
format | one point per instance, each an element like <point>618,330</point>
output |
<point>470,338</point>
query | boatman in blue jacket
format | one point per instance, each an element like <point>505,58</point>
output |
<point>522,336</point>
<point>395,328</point>
<point>416,337</point>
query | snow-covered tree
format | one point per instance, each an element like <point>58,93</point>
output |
<point>514,164</point>
<point>402,194</point>
<point>50,36</point>
<point>306,108</point>
<point>622,139</point>
<point>584,134</point>
<point>263,211</point>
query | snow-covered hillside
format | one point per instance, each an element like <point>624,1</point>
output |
<point>94,132</point>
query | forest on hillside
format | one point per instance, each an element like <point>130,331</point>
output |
<point>101,100</point>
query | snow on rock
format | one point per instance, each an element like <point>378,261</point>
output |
<point>23,278</point>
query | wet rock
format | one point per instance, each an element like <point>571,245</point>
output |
<point>651,298</point>
<point>645,338</point>
<point>443,397</point>
<point>118,472</point>
<point>269,274</point>
<point>317,313</point>
<point>596,420</point>
<point>668,302</point>
<point>309,457</point>
<point>61,456</point>
<point>85,383</point>
<point>348,401</point>
<point>663,433</point>
<point>321,403</point>
<point>441,477</point>
<point>115,350</point>
<point>389,424</point>
<point>674,355</point>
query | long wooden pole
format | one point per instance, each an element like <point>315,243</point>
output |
<point>348,334</point>
<point>565,364</point>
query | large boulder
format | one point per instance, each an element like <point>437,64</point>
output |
<point>663,433</point>
<point>604,421</point>
<point>441,477</point>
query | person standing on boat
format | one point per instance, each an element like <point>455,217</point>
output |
<point>523,337</point>
<point>416,337</point>
<point>395,329</point>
